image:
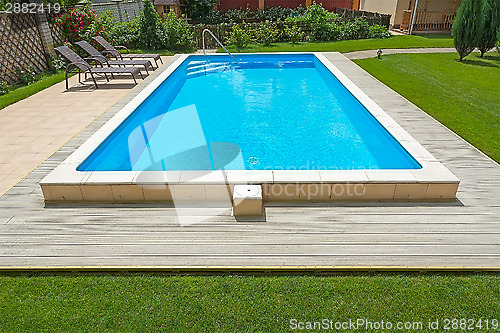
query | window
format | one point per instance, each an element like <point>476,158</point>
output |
<point>166,9</point>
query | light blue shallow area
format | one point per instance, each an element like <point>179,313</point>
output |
<point>259,112</point>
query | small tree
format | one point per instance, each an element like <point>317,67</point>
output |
<point>467,27</point>
<point>198,9</point>
<point>490,24</point>
<point>150,25</point>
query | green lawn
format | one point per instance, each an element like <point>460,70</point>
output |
<point>238,304</point>
<point>398,42</point>
<point>23,92</point>
<point>462,96</point>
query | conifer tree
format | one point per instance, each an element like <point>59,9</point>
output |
<point>467,27</point>
<point>149,23</point>
<point>498,40</point>
<point>490,24</point>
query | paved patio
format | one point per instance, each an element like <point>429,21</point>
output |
<point>365,54</point>
<point>33,129</point>
<point>465,233</point>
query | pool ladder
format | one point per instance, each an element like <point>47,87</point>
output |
<point>216,39</point>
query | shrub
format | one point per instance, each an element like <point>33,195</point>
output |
<point>315,15</point>
<point>294,34</point>
<point>239,37</point>
<point>26,76</point>
<point>379,31</point>
<point>119,33</point>
<point>273,14</point>
<point>319,22</point>
<point>213,17</point>
<point>235,15</point>
<point>177,31</point>
<point>151,32</point>
<point>268,34</point>
<point>278,13</point>
<point>490,24</point>
<point>56,64</point>
<point>467,27</point>
<point>75,23</point>
<point>357,29</point>
<point>198,9</point>
<point>4,87</point>
<point>325,32</point>
<point>127,33</point>
<point>102,25</point>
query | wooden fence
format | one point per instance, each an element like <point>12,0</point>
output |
<point>56,32</point>
<point>371,17</point>
<point>21,46</point>
<point>428,21</point>
<point>334,5</point>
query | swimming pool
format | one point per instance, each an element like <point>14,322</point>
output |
<point>255,112</point>
<point>293,124</point>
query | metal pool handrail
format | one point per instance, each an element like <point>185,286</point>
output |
<point>216,39</point>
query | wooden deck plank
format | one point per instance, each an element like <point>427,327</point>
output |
<point>463,233</point>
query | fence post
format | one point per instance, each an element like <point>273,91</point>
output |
<point>43,27</point>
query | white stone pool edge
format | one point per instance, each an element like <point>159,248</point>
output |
<point>433,182</point>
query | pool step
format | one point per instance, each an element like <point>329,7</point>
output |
<point>200,70</point>
<point>206,65</point>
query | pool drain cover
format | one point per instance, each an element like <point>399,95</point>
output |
<point>253,160</point>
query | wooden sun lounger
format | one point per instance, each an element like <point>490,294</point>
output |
<point>94,53</point>
<point>84,67</point>
<point>113,50</point>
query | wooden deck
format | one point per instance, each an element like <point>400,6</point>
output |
<point>462,233</point>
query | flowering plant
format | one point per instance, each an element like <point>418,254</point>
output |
<point>26,75</point>
<point>76,22</point>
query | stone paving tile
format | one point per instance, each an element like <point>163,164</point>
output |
<point>33,129</point>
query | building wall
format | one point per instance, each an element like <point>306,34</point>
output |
<point>235,4</point>
<point>255,4</point>
<point>285,3</point>
<point>380,6</point>
<point>396,7</point>
<point>437,5</point>
<point>123,11</point>
<point>161,10</point>
<point>401,6</point>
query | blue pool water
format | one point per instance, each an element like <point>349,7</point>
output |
<point>260,112</point>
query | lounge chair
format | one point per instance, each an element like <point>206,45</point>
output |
<point>113,50</point>
<point>92,51</point>
<point>84,67</point>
